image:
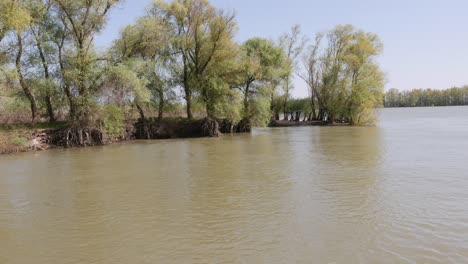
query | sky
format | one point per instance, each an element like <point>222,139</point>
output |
<point>425,41</point>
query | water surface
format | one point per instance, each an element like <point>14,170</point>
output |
<point>395,193</point>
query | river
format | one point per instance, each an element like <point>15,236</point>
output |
<point>394,193</point>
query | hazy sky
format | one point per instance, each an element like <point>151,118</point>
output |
<point>426,41</point>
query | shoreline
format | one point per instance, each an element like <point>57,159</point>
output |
<point>284,123</point>
<point>24,139</point>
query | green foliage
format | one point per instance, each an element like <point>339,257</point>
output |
<point>343,76</point>
<point>261,63</point>
<point>203,49</point>
<point>298,105</point>
<point>260,111</point>
<point>113,120</point>
<point>82,20</point>
<point>292,43</point>
<point>13,107</point>
<point>264,60</point>
<point>19,141</point>
<point>426,97</point>
<point>13,16</point>
<point>220,101</point>
<point>123,86</point>
<point>181,53</point>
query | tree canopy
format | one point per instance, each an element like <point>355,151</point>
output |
<point>179,59</point>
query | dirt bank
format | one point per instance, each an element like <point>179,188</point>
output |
<point>17,139</point>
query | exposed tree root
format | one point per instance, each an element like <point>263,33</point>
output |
<point>76,137</point>
<point>210,127</point>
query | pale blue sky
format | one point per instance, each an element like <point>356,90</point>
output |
<point>426,41</point>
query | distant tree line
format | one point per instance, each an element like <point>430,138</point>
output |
<point>426,97</point>
<point>179,55</point>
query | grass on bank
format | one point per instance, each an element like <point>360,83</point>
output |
<point>16,138</point>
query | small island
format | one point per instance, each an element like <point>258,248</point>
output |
<point>176,72</point>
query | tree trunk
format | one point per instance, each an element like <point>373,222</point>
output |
<point>161,111</point>
<point>312,104</point>
<point>246,101</point>
<point>24,86</point>
<point>188,99</point>
<point>47,98</point>
<point>331,118</point>
<point>286,95</point>
<point>71,102</point>
<point>143,131</point>
<point>66,87</point>
<point>50,109</point>
<point>142,113</point>
<point>187,90</point>
<point>321,115</point>
<point>210,127</point>
<point>162,103</point>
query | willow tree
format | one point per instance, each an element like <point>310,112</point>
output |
<point>293,44</point>
<point>146,45</point>
<point>202,45</point>
<point>43,51</point>
<point>312,75</point>
<point>366,89</point>
<point>14,19</point>
<point>343,75</point>
<point>25,85</point>
<point>122,88</point>
<point>83,19</point>
<point>261,64</point>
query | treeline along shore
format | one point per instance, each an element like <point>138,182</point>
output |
<point>176,72</point>
<point>455,96</point>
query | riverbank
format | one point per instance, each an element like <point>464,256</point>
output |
<point>24,138</point>
<point>42,136</point>
<point>285,123</point>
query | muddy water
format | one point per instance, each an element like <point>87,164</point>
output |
<point>396,193</point>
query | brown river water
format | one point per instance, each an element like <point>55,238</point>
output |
<point>395,193</point>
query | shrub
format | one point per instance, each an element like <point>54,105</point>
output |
<point>19,141</point>
<point>113,120</point>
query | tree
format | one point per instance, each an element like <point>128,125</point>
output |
<point>148,42</point>
<point>23,83</point>
<point>14,17</point>
<point>366,90</point>
<point>392,98</point>
<point>123,86</point>
<point>40,29</point>
<point>202,40</point>
<point>312,75</point>
<point>343,76</point>
<point>83,19</point>
<point>261,62</point>
<point>426,97</point>
<point>293,45</point>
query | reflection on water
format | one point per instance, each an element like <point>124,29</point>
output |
<point>390,194</point>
